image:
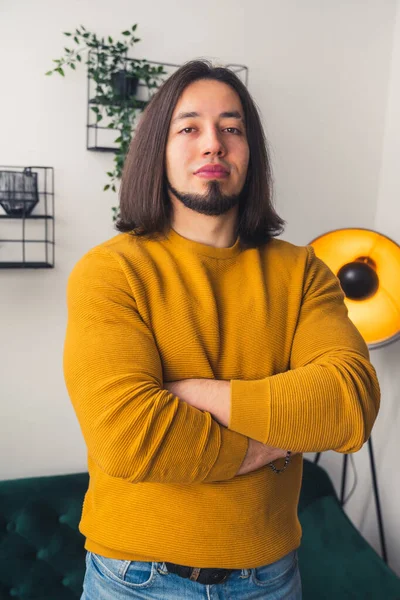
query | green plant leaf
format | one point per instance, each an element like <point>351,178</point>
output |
<point>79,57</point>
<point>82,27</point>
<point>113,188</point>
<point>59,70</point>
<point>49,73</point>
<point>95,109</point>
<point>66,33</point>
<point>134,27</point>
<point>72,66</point>
<point>106,187</point>
<point>126,33</point>
<point>76,40</point>
<point>110,39</point>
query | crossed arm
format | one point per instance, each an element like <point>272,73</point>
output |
<point>329,397</point>
<point>208,395</point>
<point>214,397</point>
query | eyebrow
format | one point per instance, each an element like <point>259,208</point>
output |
<point>233,114</point>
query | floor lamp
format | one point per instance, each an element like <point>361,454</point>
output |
<point>367,265</point>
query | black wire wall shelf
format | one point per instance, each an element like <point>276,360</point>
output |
<point>101,137</point>
<point>27,217</point>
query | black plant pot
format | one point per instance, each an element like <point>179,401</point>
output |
<point>18,192</point>
<point>124,84</point>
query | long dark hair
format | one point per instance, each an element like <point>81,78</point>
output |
<point>145,208</point>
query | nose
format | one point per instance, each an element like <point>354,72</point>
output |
<point>213,144</point>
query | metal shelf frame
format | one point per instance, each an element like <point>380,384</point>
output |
<point>43,211</point>
<point>96,139</point>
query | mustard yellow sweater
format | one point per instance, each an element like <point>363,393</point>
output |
<point>162,473</point>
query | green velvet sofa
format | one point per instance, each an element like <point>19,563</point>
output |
<point>42,554</point>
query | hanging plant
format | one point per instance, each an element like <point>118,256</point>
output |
<point>116,78</point>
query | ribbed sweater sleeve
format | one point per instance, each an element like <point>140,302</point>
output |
<point>329,398</point>
<point>134,429</point>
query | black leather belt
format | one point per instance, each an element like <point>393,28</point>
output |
<point>204,576</point>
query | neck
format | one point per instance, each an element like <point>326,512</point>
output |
<point>218,231</point>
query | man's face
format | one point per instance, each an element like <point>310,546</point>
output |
<point>213,133</point>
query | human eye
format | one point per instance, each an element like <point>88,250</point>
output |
<point>233,129</point>
<point>186,130</point>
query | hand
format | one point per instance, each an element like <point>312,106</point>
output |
<point>258,455</point>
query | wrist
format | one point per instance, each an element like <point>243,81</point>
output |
<point>277,470</point>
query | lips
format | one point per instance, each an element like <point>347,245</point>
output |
<point>213,169</point>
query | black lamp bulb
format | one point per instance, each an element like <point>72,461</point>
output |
<point>358,279</point>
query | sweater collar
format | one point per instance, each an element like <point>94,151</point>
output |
<point>186,244</point>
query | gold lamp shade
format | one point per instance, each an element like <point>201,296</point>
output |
<point>367,264</point>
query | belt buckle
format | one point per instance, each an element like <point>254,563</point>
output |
<point>200,575</point>
<point>219,576</point>
<point>194,574</point>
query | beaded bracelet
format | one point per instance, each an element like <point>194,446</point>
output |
<point>287,461</point>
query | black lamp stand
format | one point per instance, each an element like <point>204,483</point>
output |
<point>375,488</point>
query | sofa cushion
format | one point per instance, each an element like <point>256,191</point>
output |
<point>336,562</point>
<point>41,550</point>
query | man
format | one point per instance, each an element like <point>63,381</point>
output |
<point>203,357</point>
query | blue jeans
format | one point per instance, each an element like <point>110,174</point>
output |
<point>111,579</point>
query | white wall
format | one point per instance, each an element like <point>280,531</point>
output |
<point>361,507</point>
<point>320,72</point>
<point>387,361</point>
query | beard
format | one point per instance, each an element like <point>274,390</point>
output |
<point>212,203</point>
